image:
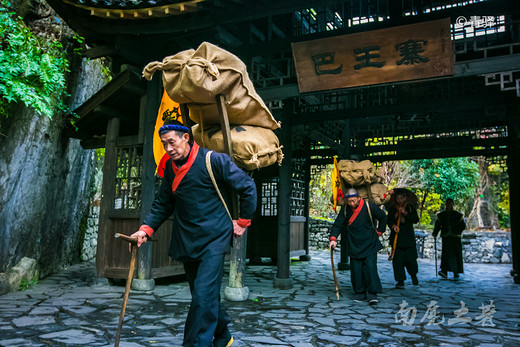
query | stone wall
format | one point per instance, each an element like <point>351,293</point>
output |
<point>89,248</point>
<point>45,179</point>
<point>478,246</point>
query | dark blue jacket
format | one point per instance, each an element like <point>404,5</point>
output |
<point>362,237</point>
<point>201,225</point>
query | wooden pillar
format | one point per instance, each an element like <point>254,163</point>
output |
<point>235,291</point>
<point>107,193</point>
<point>344,258</point>
<point>148,115</point>
<point>306,227</point>
<point>282,280</point>
<point>513,169</point>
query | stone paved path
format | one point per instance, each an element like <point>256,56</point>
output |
<point>72,308</point>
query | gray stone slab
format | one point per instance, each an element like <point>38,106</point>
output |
<point>483,338</point>
<point>407,336</point>
<point>19,342</point>
<point>80,310</point>
<point>147,327</point>
<point>264,340</point>
<point>71,336</point>
<point>30,321</point>
<point>339,339</point>
<point>171,321</point>
<point>324,321</point>
<point>294,322</point>
<point>43,310</point>
<point>327,329</point>
<point>453,340</point>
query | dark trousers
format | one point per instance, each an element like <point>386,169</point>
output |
<point>207,318</point>
<point>451,257</point>
<point>405,258</point>
<point>363,274</point>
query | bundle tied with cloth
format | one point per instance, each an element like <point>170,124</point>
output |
<point>363,177</point>
<point>196,78</point>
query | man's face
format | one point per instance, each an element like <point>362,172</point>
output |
<point>177,147</point>
<point>449,205</point>
<point>400,199</point>
<point>353,202</point>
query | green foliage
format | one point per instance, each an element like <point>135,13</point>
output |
<point>455,178</point>
<point>24,284</point>
<point>320,188</point>
<point>432,206</point>
<point>32,68</point>
<point>500,193</point>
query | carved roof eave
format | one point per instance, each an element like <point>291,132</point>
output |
<point>140,13</point>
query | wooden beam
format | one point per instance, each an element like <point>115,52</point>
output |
<point>125,77</point>
<point>449,104</point>
<point>317,136</point>
<point>101,51</point>
<point>432,154</point>
<point>442,144</point>
<point>109,111</point>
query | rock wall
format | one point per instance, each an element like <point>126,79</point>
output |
<point>45,181</point>
<point>477,246</point>
<point>89,248</point>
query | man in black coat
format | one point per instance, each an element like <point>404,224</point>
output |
<point>356,218</point>
<point>202,228</point>
<point>401,218</point>
<point>451,224</point>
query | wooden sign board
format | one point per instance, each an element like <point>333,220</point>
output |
<point>409,52</point>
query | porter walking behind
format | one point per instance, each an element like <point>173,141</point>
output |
<point>356,218</point>
<point>451,224</point>
<point>401,218</point>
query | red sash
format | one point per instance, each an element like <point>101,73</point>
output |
<point>356,211</point>
<point>183,170</point>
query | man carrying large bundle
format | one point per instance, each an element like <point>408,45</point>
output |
<point>450,224</point>
<point>401,218</point>
<point>202,228</point>
<point>356,218</point>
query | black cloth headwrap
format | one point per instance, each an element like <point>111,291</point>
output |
<point>170,127</point>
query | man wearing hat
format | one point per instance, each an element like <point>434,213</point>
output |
<point>202,229</point>
<point>356,218</point>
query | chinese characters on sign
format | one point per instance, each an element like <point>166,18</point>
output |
<point>396,54</point>
<point>407,314</point>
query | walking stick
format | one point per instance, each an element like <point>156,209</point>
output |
<point>133,242</point>
<point>394,245</point>
<point>334,273</point>
<point>435,248</point>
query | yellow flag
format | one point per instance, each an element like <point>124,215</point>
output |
<point>168,110</point>
<point>336,185</point>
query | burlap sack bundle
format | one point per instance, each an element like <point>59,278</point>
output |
<point>379,193</point>
<point>196,77</point>
<point>253,147</point>
<point>356,174</point>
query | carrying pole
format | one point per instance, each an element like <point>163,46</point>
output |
<point>235,291</point>
<point>394,245</point>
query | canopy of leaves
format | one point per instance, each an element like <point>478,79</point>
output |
<point>32,68</point>
<point>455,178</point>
